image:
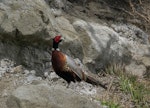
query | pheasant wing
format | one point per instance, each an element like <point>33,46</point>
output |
<point>71,64</point>
<point>86,76</point>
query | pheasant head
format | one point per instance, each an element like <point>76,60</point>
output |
<point>56,42</point>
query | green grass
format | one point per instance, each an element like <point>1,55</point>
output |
<point>130,85</point>
<point>110,104</point>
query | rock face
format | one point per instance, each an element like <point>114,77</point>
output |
<point>30,17</point>
<point>94,33</point>
<point>111,44</point>
<point>23,23</point>
<point>45,96</point>
<point>27,28</point>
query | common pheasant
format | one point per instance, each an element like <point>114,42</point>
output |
<point>68,69</point>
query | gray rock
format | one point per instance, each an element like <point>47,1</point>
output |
<point>103,43</point>
<point>28,56</point>
<point>17,69</point>
<point>116,44</point>
<point>136,69</point>
<point>66,27</point>
<point>27,28</point>
<point>45,96</point>
<point>131,32</point>
<point>24,24</point>
<point>56,6</point>
<point>59,4</point>
<point>6,66</point>
<point>146,61</point>
<point>28,16</point>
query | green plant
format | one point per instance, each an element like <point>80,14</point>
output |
<point>110,104</point>
<point>130,85</point>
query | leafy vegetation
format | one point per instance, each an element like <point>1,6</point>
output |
<point>137,91</point>
<point>111,104</point>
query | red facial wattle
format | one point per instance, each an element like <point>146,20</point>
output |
<point>57,39</point>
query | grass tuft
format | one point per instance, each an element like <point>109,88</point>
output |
<point>110,104</point>
<point>137,91</point>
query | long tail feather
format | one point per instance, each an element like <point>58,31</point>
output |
<point>94,81</point>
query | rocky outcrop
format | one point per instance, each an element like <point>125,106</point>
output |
<point>27,27</point>
<point>95,33</point>
<point>21,88</point>
<point>115,44</point>
<point>24,24</point>
<point>30,17</point>
<point>45,96</point>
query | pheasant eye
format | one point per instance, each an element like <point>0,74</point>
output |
<point>57,38</point>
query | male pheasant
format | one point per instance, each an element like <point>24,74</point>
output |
<point>68,69</point>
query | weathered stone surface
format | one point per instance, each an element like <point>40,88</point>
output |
<point>91,34</point>
<point>30,17</point>
<point>58,4</point>
<point>135,69</point>
<point>131,32</point>
<point>65,27</point>
<point>111,45</point>
<point>146,61</point>
<point>6,65</point>
<point>34,22</point>
<point>28,56</point>
<point>93,43</point>
<point>45,96</point>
